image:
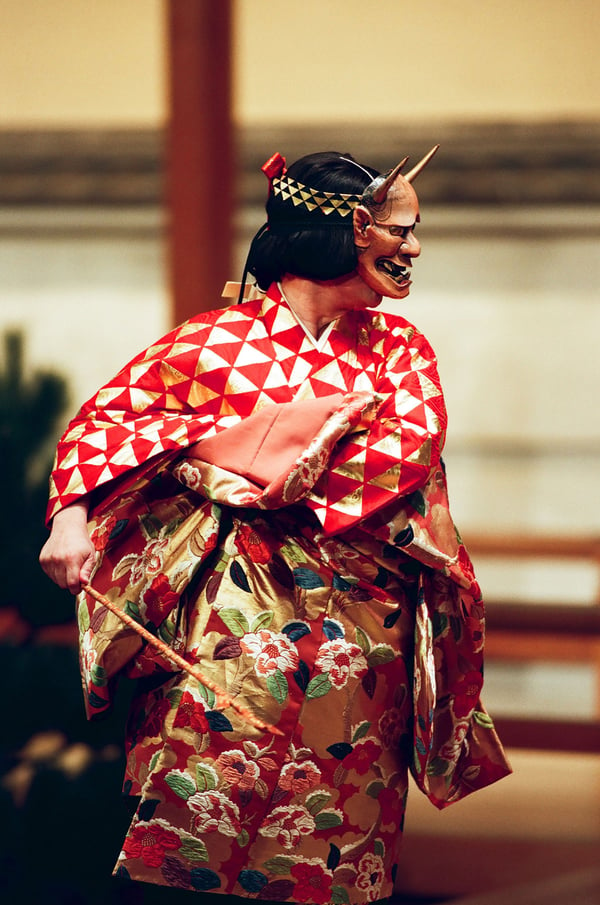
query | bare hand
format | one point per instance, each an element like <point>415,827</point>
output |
<point>68,555</point>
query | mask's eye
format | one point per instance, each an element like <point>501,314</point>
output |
<point>401,231</point>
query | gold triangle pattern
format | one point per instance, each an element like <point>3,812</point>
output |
<point>313,199</point>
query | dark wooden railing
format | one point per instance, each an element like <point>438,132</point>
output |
<point>525,632</point>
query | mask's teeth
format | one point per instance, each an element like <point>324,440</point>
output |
<point>393,270</point>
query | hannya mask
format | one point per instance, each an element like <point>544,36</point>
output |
<point>384,236</point>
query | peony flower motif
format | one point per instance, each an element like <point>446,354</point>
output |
<point>453,746</point>
<point>466,693</point>
<point>370,875</point>
<point>149,562</point>
<point>391,725</point>
<point>215,813</point>
<point>341,660</point>
<point>313,884</point>
<point>287,825</point>
<point>272,650</point>
<point>88,655</point>
<point>191,713</point>
<point>150,841</point>
<point>160,599</point>
<point>101,533</point>
<point>237,770</point>
<point>251,544</point>
<point>475,629</point>
<point>297,778</point>
<point>155,719</point>
<point>364,754</point>
<point>189,475</point>
<point>306,472</point>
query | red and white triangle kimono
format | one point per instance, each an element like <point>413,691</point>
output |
<point>274,507</point>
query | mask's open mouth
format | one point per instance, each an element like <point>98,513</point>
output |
<point>398,273</point>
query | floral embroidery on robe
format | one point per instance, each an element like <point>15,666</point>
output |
<point>275,509</point>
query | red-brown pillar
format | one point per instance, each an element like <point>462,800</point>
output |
<point>199,154</point>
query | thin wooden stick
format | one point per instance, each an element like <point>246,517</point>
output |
<point>223,699</point>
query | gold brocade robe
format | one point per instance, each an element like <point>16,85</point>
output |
<point>276,510</point>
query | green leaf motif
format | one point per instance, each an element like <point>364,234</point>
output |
<point>208,695</point>
<point>339,895</point>
<point>205,778</point>
<point>362,640</point>
<point>150,525</point>
<point>83,617</point>
<point>243,839</point>
<point>381,654</point>
<point>439,623</point>
<point>318,686</point>
<point>317,801</point>
<point>180,784</point>
<point>379,848</point>
<point>174,695</point>
<point>327,819</point>
<point>279,865</point>
<point>374,788</point>
<point>360,731</point>
<point>166,631</point>
<point>483,719</point>
<point>133,610</point>
<point>307,579</point>
<point>278,686</point>
<point>193,849</point>
<point>293,552</point>
<point>172,527</point>
<point>263,620</point>
<point>235,621</point>
<point>438,766</point>
<point>98,675</point>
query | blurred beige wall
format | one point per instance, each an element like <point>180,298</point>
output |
<point>101,62</point>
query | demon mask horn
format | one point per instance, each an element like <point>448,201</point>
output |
<point>380,193</point>
<point>421,164</point>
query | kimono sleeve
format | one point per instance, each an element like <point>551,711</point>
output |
<point>157,403</point>
<point>456,750</point>
<point>397,452</point>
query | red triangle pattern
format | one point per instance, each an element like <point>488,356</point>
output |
<point>215,370</point>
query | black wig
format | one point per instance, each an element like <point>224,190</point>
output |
<point>304,244</point>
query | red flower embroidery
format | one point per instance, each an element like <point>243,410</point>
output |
<point>296,778</point>
<point>287,825</point>
<point>271,650</point>
<point>215,813</point>
<point>391,726</point>
<point>341,660</point>
<point>238,770</point>
<point>313,883</point>
<point>363,755</point>
<point>160,599</point>
<point>466,693</point>
<point>370,875</point>
<point>251,544</point>
<point>150,842</point>
<point>101,533</point>
<point>191,713</point>
<point>156,718</point>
